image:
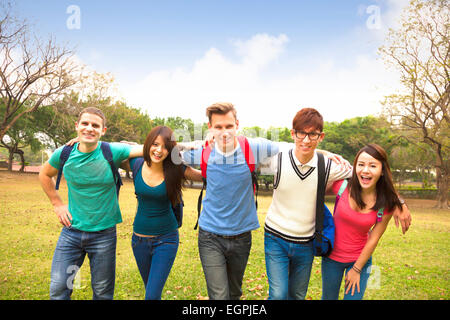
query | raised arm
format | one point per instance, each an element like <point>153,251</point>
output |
<point>136,151</point>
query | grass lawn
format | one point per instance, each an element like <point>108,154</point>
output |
<point>411,266</point>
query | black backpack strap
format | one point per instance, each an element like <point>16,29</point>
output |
<point>199,203</point>
<point>137,164</point>
<point>255,187</point>
<point>106,150</point>
<point>320,200</point>
<point>65,153</point>
<point>278,174</point>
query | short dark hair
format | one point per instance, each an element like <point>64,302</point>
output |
<point>220,108</point>
<point>307,118</point>
<point>93,110</point>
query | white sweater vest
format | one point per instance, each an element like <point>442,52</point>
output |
<point>292,213</point>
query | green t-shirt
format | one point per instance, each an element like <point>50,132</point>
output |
<point>92,195</point>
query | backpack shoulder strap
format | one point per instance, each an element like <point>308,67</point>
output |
<point>248,154</point>
<point>380,214</point>
<point>342,188</point>
<point>320,192</point>
<point>339,194</point>
<point>278,173</point>
<point>250,159</point>
<point>137,164</point>
<point>65,153</point>
<point>106,150</point>
<point>206,151</point>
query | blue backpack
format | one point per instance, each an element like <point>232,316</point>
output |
<point>323,242</point>
<point>107,154</point>
<point>177,209</point>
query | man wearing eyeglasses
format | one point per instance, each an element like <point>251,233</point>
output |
<point>290,221</point>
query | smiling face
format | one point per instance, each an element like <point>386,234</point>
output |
<point>89,129</point>
<point>305,146</point>
<point>368,170</point>
<point>224,128</point>
<point>158,150</point>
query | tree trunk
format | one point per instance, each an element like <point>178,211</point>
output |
<point>442,198</point>
<point>10,160</point>
<point>22,159</point>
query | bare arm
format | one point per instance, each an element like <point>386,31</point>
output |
<point>136,151</point>
<point>403,216</point>
<point>338,159</point>
<point>352,278</point>
<point>48,185</point>
<point>193,174</point>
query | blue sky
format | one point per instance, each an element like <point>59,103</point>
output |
<point>269,58</point>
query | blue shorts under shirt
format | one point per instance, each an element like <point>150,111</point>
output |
<point>154,215</point>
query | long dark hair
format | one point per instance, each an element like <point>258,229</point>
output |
<point>387,197</point>
<point>173,173</point>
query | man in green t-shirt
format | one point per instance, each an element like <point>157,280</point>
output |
<point>89,220</point>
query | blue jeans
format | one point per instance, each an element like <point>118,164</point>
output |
<point>223,261</point>
<point>71,249</point>
<point>154,258</point>
<point>288,267</point>
<point>332,274</point>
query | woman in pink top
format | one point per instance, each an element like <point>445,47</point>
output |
<point>361,217</point>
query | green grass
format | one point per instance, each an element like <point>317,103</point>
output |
<point>411,266</point>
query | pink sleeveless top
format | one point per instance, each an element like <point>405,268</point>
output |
<point>352,228</point>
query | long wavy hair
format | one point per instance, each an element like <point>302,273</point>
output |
<point>173,173</point>
<point>387,197</point>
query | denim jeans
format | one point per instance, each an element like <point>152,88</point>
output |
<point>288,267</point>
<point>332,274</point>
<point>154,258</point>
<point>224,261</point>
<point>71,249</point>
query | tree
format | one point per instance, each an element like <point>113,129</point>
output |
<point>184,129</point>
<point>32,71</point>
<point>420,50</point>
<point>125,123</point>
<point>18,137</point>
<point>347,137</point>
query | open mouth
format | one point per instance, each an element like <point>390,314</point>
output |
<point>365,179</point>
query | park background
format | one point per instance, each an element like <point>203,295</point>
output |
<point>377,70</point>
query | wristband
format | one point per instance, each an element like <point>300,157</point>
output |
<point>356,269</point>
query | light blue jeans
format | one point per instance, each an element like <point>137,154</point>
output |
<point>154,257</point>
<point>332,274</point>
<point>71,249</point>
<point>288,267</point>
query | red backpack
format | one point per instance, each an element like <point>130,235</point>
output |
<point>249,158</point>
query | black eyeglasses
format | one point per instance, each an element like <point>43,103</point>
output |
<point>313,136</point>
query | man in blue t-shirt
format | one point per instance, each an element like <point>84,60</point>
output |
<point>229,213</point>
<point>89,219</point>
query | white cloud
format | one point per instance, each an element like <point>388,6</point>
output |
<point>212,78</point>
<point>338,93</point>
<point>260,50</point>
